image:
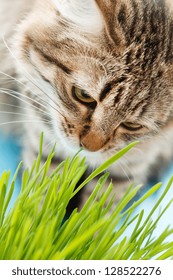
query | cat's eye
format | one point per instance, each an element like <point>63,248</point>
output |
<point>131,126</point>
<point>81,95</point>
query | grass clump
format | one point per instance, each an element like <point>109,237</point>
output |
<point>35,227</point>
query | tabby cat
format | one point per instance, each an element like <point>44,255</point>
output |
<point>92,74</point>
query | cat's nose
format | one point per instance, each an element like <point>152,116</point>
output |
<point>92,141</point>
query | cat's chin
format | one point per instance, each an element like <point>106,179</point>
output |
<point>93,158</point>
<point>66,148</point>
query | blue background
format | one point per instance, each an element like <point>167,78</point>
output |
<point>9,159</point>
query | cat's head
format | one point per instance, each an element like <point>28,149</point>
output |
<point>104,69</point>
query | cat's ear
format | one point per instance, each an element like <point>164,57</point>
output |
<point>83,13</point>
<point>118,16</point>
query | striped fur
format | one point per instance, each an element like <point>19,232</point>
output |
<point>123,61</point>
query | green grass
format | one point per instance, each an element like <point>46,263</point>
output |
<point>36,228</point>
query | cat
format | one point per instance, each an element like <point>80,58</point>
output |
<point>93,74</point>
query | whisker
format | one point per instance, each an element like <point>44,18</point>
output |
<point>14,113</point>
<point>124,171</point>
<point>12,78</point>
<point>141,153</point>
<point>25,96</point>
<point>41,99</point>
<point>15,95</point>
<point>18,81</point>
<point>27,75</point>
<point>24,121</point>
<point>54,102</point>
<point>11,105</point>
<point>9,80</point>
<point>21,114</point>
<point>51,142</point>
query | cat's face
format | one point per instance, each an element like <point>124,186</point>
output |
<point>109,80</point>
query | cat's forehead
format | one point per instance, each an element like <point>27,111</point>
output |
<point>98,58</point>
